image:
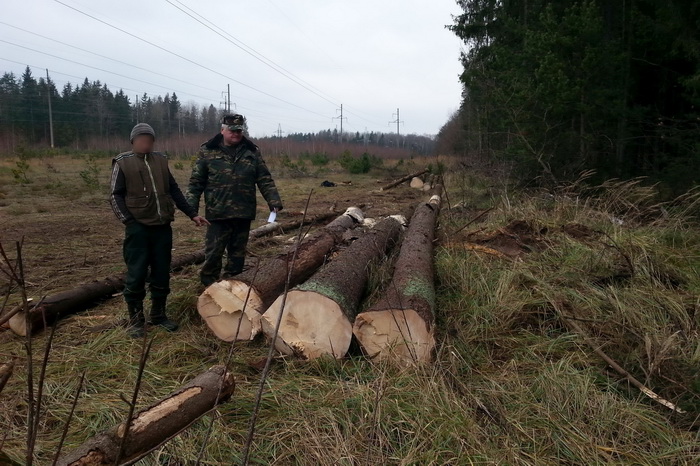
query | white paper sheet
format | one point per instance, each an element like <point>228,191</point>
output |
<point>272,217</point>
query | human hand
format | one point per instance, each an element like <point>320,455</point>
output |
<point>200,221</point>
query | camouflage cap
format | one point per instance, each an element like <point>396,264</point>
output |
<point>234,122</point>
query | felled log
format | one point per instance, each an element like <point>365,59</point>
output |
<point>153,426</point>
<point>277,227</point>
<point>416,183</point>
<point>5,373</point>
<point>223,305</point>
<point>395,183</point>
<point>318,314</point>
<point>400,325</point>
<point>84,296</point>
<point>65,303</point>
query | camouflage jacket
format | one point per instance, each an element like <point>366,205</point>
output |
<point>227,176</point>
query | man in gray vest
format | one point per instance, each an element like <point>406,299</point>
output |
<point>143,192</point>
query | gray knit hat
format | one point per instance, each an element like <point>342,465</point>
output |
<point>142,128</point>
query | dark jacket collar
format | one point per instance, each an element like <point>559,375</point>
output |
<point>216,143</point>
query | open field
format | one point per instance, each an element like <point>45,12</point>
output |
<point>511,382</point>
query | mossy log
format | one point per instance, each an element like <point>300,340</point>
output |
<point>400,325</point>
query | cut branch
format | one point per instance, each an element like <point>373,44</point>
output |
<point>318,315</point>
<point>400,325</point>
<point>222,305</point>
<point>154,426</point>
<point>573,325</point>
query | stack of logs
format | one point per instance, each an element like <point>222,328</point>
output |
<point>318,315</point>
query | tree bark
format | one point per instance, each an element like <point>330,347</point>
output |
<point>275,227</point>
<point>84,296</point>
<point>223,305</point>
<point>395,183</point>
<point>6,370</point>
<point>157,424</point>
<point>318,315</point>
<point>400,325</point>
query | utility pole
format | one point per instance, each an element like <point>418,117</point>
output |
<point>48,93</point>
<point>224,101</point>
<point>228,91</point>
<point>341,118</point>
<point>398,123</point>
<point>279,130</point>
<point>136,106</point>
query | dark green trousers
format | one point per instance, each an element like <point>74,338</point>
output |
<point>147,247</point>
<point>225,235</point>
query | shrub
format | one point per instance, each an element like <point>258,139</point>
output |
<point>363,164</point>
<point>317,159</point>
<point>91,174</point>
<point>20,171</point>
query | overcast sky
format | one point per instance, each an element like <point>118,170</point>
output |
<point>371,56</point>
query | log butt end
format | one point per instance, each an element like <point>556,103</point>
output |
<point>18,324</point>
<point>312,325</point>
<point>222,307</point>
<point>394,334</point>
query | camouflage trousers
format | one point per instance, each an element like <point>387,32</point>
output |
<point>147,247</point>
<point>230,236</point>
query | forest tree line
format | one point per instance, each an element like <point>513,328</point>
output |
<point>84,113</point>
<point>558,87</point>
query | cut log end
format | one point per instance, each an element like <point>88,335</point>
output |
<point>18,324</point>
<point>325,329</point>
<point>356,213</point>
<point>222,308</point>
<point>396,335</point>
<point>416,183</point>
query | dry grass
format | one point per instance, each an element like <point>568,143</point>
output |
<point>510,383</point>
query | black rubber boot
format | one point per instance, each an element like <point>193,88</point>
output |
<point>158,316</point>
<point>136,320</point>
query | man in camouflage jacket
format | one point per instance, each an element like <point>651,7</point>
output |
<point>228,169</point>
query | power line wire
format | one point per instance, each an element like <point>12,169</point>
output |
<point>106,57</point>
<point>251,51</point>
<point>80,78</point>
<point>184,58</point>
<point>304,33</point>
<point>98,69</point>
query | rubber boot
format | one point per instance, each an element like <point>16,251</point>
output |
<point>158,316</point>
<point>136,320</point>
